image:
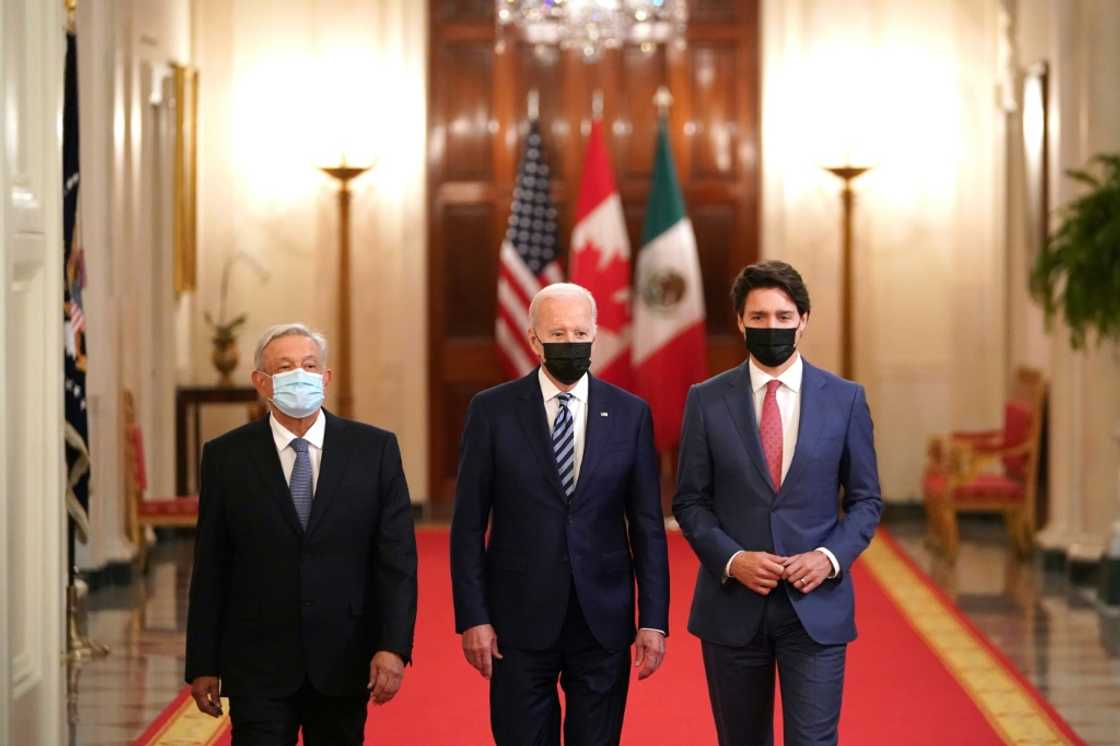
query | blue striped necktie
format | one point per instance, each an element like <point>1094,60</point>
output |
<point>300,483</point>
<point>564,445</point>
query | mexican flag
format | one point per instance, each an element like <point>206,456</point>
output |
<point>600,261</point>
<point>670,351</point>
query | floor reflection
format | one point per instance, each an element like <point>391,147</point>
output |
<point>1051,630</point>
<point>144,625</point>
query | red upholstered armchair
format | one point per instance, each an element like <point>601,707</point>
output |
<point>164,511</point>
<point>991,472</point>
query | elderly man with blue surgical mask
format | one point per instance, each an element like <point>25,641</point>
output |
<point>303,594</point>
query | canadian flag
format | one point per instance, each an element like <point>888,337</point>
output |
<point>600,261</point>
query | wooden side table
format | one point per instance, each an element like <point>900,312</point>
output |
<point>189,401</point>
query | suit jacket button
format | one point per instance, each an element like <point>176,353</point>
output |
<point>306,604</point>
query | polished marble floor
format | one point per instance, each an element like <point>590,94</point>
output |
<point>1063,642</point>
<point>1055,633</point>
<point>114,698</point>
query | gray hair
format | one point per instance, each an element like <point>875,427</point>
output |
<point>562,290</point>
<point>289,330</point>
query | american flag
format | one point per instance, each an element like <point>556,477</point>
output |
<point>73,319</point>
<point>527,261</point>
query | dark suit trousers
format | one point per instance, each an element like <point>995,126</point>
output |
<point>326,721</point>
<point>524,703</point>
<point>741,682</point>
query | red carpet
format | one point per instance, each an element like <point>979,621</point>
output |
<point>900,689</point>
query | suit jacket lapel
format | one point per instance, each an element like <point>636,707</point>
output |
<point>808,424</point>
<point>263,454</point>
<point>332,465</point>
<point>596,432</point>
<point>740,403</point>
<point>534,422</point>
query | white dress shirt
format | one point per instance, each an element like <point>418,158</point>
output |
<point>789,403</point>
<point>577,405</point>
<point>789,408</point>
<point>283,438</point>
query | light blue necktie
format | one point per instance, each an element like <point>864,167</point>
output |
<point>300,483</point>
<point>564,445</point>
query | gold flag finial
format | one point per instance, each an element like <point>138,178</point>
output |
<point>533,104</point>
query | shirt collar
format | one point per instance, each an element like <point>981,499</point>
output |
<point>549,390</point>
<point>791,378</point>
<point>282,436</point>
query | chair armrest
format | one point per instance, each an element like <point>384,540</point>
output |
<point>984,439</point>
<point>967,461</point>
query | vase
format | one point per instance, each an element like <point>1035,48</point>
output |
<point>224,358</point>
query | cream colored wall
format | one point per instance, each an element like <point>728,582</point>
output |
<point>909,88</point>
<point>941,312</point>
<point>1027,341</point>
<point>1078,38</point>
<point>99,161</point>
<point>125,50</point>
<point>286,87</point>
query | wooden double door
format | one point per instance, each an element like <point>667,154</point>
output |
<point>479,83</point>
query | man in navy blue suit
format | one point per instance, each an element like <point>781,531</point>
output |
<point>766,447</point>
<point>563,468</point>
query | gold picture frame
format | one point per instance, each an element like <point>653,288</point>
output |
<point>186,178</point>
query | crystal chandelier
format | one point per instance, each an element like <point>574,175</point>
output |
<point>594,25</point>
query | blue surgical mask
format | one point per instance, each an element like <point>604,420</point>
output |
<point>297,393</point>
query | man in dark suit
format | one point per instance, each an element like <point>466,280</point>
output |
<point>765,449</point>
<point>303,596</point>
<point>563,468</point>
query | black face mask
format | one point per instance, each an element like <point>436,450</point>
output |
<point>771,347</point>
<point>567,361</point>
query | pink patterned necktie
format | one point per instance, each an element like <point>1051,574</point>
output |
<point>770,429</point>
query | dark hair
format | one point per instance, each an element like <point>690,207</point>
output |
<point>771,274</point>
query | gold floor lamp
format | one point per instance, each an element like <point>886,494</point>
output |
<point>344,379</point>
<point>847,174</point>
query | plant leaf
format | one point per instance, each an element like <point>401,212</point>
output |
<point>1077,270</point>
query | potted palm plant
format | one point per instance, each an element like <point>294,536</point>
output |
<point>1077,277</point>
<point>1077,272</point>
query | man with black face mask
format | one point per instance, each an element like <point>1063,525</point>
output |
<point>765,449</point>
<point>562,467</point>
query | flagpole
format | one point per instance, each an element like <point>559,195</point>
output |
<point>663,101</point>
<point>78,646</point>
